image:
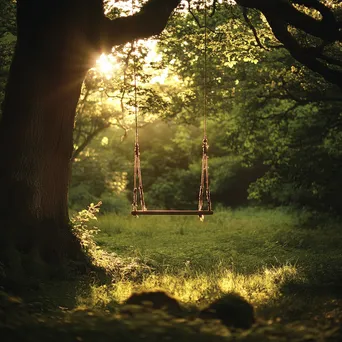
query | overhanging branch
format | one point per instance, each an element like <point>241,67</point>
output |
<point>327,28</point>
<point>281,14</point>
<point>149,21</point>
<point>249,23</point>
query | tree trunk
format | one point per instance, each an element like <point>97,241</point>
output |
<point>50,62</point>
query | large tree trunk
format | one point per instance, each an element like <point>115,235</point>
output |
<point>45,80</point>
<point>57,42</point>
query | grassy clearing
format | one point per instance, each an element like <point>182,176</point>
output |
<point>273,258</point>
<point>289,269</point>
<point>243,240</point>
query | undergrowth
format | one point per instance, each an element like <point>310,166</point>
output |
<point>118,268</point>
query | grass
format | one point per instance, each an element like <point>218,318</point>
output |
<point>287,264</point>
<point>243,240</point>
<point>273,258</point>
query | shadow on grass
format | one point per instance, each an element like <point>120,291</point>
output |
<point>309,298</point>
<point>143,324</point>
<point>20,322</point>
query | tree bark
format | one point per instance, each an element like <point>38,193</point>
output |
<point>57,43</point>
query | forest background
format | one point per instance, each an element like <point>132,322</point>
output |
<point>274,126</point>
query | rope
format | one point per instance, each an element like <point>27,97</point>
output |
<point>205,69</point>
<point>204,190</point>
<point>138,190</point>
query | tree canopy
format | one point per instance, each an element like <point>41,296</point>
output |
<point>264,108</point>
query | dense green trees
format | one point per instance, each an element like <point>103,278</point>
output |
<point>277,112</point>
<point>270,117</point>
<point>7,41</point>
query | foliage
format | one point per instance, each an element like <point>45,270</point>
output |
<point>7,41</point>
<point>83,228</point>
<point>273,124</point>
<point>109,90</point>
<point>100,174</point>
<point>277,115</point>
<point>116,267</point>
<point>171,167</point>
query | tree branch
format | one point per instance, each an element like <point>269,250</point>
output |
<point>250,25</point>
<point>326,29</point>
<point>149,21</point>
<point>304,56</point>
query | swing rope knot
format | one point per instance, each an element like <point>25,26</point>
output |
<point>137,149</point>
<point>205,146</point>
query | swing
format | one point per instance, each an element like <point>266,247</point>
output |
<point>204,190</point>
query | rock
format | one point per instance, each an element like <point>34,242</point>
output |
<point>155,300</point>
<point>233,311</point>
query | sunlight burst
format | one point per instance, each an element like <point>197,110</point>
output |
<point>106,65</point>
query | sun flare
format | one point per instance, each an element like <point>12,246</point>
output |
<point>106,64</point>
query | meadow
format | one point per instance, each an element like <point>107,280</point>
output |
<point>286,263</point>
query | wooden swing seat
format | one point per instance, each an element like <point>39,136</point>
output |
<point>172,212</point>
